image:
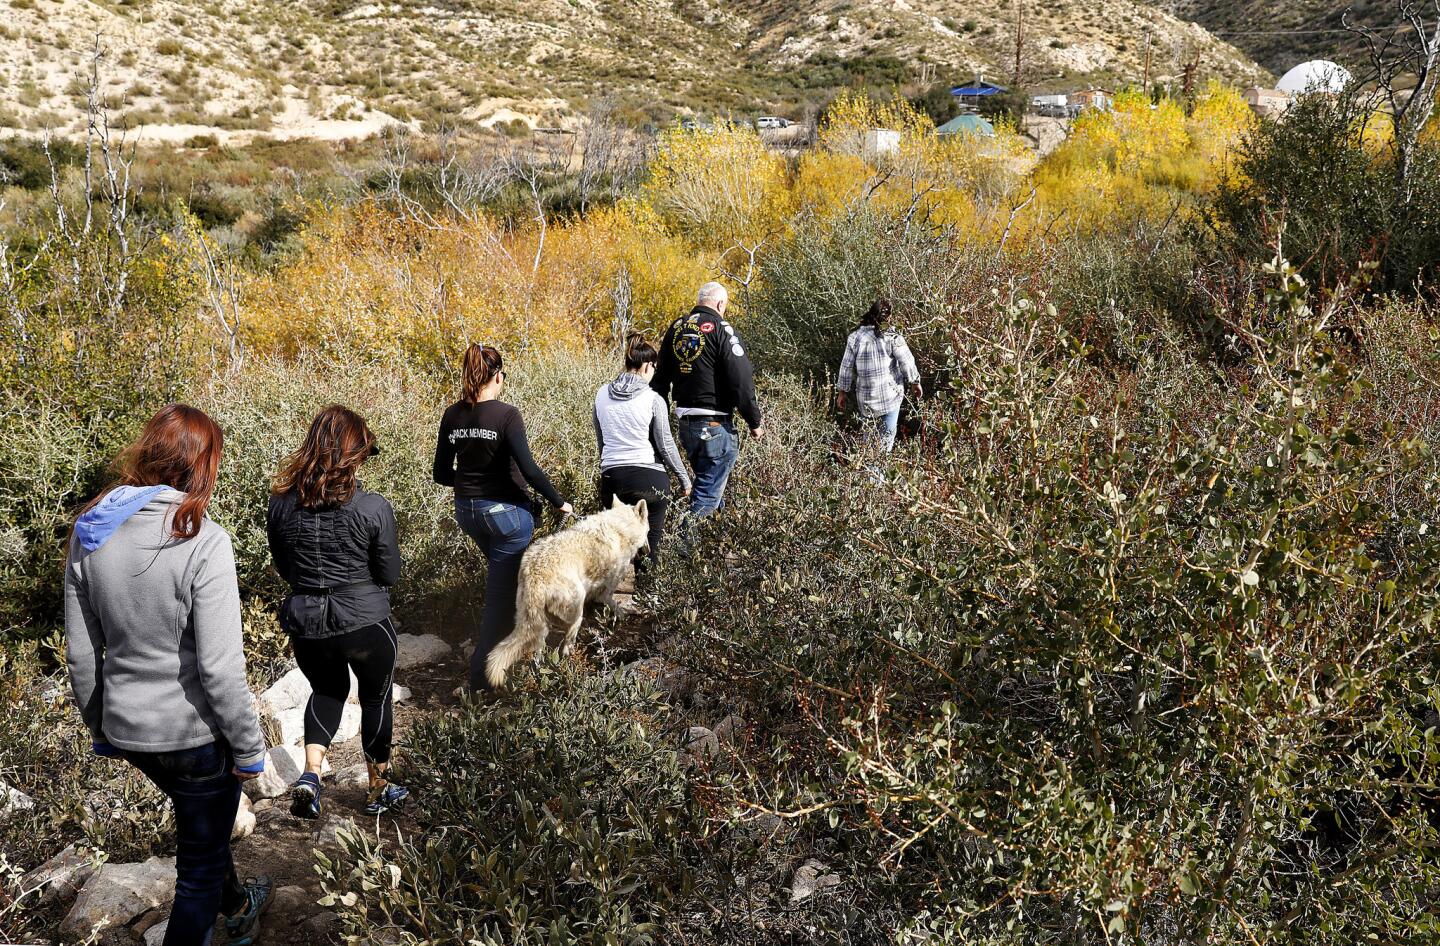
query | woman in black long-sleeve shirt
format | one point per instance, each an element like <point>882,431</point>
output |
<point>483,453</point>
<point>335,544</point>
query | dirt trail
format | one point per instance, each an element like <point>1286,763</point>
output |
<point>283,845</point>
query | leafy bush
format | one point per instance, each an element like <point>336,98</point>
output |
<point>1324,174</point>
<point>1135,656</point>
<point>561,818</point>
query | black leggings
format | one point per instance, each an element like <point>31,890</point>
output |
<point>326,662</point>
<point>634,483</point>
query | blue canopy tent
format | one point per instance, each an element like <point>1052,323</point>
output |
<point>972,94</point>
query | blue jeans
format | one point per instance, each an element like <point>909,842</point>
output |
<point>503,532</point>
<point>206,797</point>
<point>880,430</point>
<point>712,448</point>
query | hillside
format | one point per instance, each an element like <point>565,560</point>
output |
<point>341,68</point>
<point>1280,35</point>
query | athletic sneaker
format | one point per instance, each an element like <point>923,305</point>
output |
<point>305,796</point>
<point>244,926</point>
<point>386,798</point>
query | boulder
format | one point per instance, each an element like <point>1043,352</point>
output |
<point>328,837</point>
<point>13,802</point>
<point>155,935</point>
<point>291,900</point>
<point>809,879</point>
<point>353,776</point>
<point>673,683</point>
<point>285,701</point>
<point>729,730</point>
<point>288,692</point>
<point>61,877</point>
<point>117,893</point>
<point>244,820</point>
<point>417,649</point>
<point>321,928</point>
<point>290,724</point>
<point>283,765</point>
<point>700,743</point>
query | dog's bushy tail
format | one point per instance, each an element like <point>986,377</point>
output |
<point>529,632</point>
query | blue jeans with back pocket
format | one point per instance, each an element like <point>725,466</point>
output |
<point>712,447</point>
<point>503,532</point>
<point>206,796</point>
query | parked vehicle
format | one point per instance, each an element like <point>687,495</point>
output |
<point>771,121</point>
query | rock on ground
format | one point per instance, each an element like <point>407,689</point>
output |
<point>290,724</point>
<point>12,802</point>
<point>283,765</point>
<point>244,820</point>
<point>809,879</point>
<point>700,743</point>
<point>729,730</point>
<point>417,649</point>
<point>117,893</point>
<point>328,837</point>
<point>155,935</point>
<point>673,683</point>
<point>354,776</point>
<point>291,899</point>
<point>59,878</point>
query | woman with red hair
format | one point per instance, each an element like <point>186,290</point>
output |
<point>157,665</point>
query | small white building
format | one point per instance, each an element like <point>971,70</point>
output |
<point>880,142</point>
<point>1050,100</point>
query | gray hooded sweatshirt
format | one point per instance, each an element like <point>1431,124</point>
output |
<point>152,627</point>
<point>632,428</point>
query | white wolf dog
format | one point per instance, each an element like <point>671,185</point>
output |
<point>561,572</point>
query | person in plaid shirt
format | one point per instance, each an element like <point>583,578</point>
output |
<point>876,368</point>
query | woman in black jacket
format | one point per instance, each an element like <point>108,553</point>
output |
<point>482,451</point>
<point>336,546</point>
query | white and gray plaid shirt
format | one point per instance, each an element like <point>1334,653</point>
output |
<point>876,368</point>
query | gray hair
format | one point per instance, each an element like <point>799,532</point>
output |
<point>711,293</point>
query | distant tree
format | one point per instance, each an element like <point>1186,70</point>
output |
<point>937,102</point>
<point>1010,105</point>
<point>1405,70</point>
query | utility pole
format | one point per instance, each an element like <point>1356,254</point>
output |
<point>1019,39</point>
<point>1145,82</point>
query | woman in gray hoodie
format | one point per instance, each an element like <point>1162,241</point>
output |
<point>157,664</point>
<point>632,431</point>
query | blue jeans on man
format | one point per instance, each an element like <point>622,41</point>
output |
<point>712,446</point>
<point>206,796</point>
<point>503,532</point>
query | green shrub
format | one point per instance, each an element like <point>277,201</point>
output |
<point>1313,174</point>
<point>1103,662</point>
<point>563,817</point>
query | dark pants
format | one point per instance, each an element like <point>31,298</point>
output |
<point>206,797</point>
<point>634,483</point>
<point>503,532</point>
<point>712,446</point>
<point>326,662</point>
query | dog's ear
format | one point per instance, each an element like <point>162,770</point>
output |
<point>642,511</point>
<point>614,502</point>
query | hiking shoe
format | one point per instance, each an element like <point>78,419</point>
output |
<point>244,926</point>
<point>305,796</point>
<point>386,798</point>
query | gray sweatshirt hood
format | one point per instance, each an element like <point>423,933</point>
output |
<point>627,386</point>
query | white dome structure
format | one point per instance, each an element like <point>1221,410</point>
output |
<point>1317,75</point>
